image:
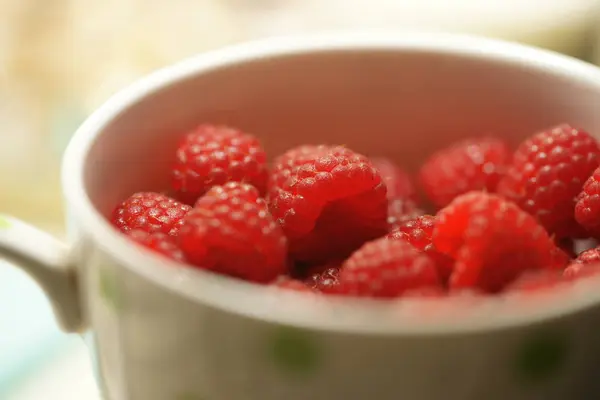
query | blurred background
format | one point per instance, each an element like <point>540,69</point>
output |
<point>60,59</point>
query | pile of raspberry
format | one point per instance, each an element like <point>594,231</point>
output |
<point>325,219</point>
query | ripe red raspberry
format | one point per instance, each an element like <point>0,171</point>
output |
<point>230,231</point>
<point>426,292</point>
<point>150,212</point>
<point>587,208</point>
<point>399,183</point>
<point>213,155</point>
<point>285,165</point>
<point>416,231</point>
<point>400,211</point>
<point>578,270</point>
<point>548,172</point>
<point>329,201</point>
<point>386,268</point>
<point>285,282</point>
<point>159,242</point>
<point>473,164</point>
<point>419,232</point>
<point>493,241</point>
<point>538,280</point>
<point>588,257</point>
<point>325,280</point>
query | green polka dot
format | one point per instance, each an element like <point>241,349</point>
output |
<point>4,223</point>
<point>109,290</point>
<point>542,357</point>
<point>294,351</point>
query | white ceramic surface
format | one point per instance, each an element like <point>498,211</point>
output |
<point>160,332</point>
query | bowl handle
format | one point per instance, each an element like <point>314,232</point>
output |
<point>47,261</point>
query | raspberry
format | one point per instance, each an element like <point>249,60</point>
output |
<point>586,264</point>
<point>559,258</point>
<point>418,232</point>
<point>398,182</point>
<point>157,241</point>
<point>493,241</point>
<point>425,292</point>
<point>213,155</point>
<point>548,172</point>
<point>150,212</point>
<point>589,256</point>
<point>285,165</point>
<point>230,231</point>
<point>581,270</point>
<point>400,211</point>
<point>324,281</point>
<point>386,268</point>
<point>538,280</point>
<point>587,208</point>
<point>473,164</point>
<point>285,282</point>
<point>329,201</point>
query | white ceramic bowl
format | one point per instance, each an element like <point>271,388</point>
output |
<point>162,332</point>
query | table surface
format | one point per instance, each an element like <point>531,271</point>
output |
<point>67,377</point>
<point>38,361</point>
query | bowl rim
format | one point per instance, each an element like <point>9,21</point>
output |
<point>358,316</point>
